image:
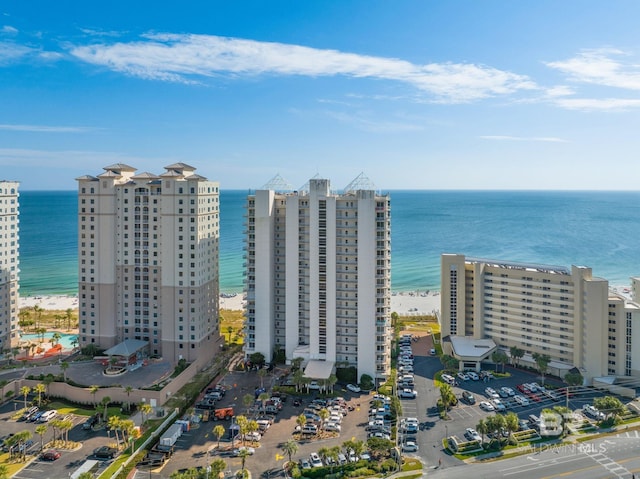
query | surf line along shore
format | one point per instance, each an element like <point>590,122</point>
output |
<point>407,303</point>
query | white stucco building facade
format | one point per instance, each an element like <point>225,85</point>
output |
<point>318,274</point>
<point>565,313</point>
<point>9,264</point>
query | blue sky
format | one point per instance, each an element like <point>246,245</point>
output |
<point>415,94</point>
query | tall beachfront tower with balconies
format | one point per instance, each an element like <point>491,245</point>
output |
<point>9,264</point>
<point>318,275</point>
<point>148,260</point>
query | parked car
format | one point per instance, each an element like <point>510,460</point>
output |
<point>29,412</point>
<point>499,405</point>
<point>487,406</point>
<point>472,435</point>
<point>432,352</point>
<point>47,415</point>
<point>331,426</point>
<point>304,464</point>
<point>473,376</point>
<point>468,397</point>
<point>410,446</point>
<point>105,452</point>
<point>251,451</point>
<point>408,394</point>
<point>353,388</point>
<point>591,411</point>
<point>462,376</point>
<point>491,393</point>
<point>523,401</point>
<point>50,455</point>
<point>314,459</point>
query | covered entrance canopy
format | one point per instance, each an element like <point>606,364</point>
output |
<point>317,369</point>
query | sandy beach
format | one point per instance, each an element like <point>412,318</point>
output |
<point>412,303</point>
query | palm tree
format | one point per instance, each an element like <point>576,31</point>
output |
<point>114,424</point>
<point>93,390</point>
<point>243,425</point>
<point>128,390</point>
<point>55,338</point>
<point>39,389</point>
<point>247,400</point>
<point>358,447</point>
<point>301,420</point>
<point>243,454</point>
<point>333,454</point>
<point>24,391</point>
<point>447,396</point>
<point>37,312</point>
<point>298,379</point>
<point>262,373</point>
<point>20,438</point>
<point>65,426</point>
<point>4,471</point>
<point>57,319</point>
<point>217,467</point>
<point>218,431</point>
<point>542,361</point>
<point>41,430</point>
<point>511,423</point>
<point>55,425</point>
<point>69,316</point>
<point>290,448</point>
<point>105,403</point>
<point>516,354</point>
<point>64,365</point>
<point>229,330</point>
<point>324,415</point>
<point>482,427</point>
<point>25,318</point>
<point>263,397</point>
<point>333,379</point>
<point>145,410</point>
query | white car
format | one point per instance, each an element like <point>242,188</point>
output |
<point>590,410</point>
<point>523,401</point>
<point>353,388</point>
<point>447,378</point>
<point>332,426</point>
<point>253,436</point>
<point>472,435</point>
<point>250,451</point>
<point>473,376</point>
<point>315,460</point>
<point>410,446</point>
<point>408,394</point>
<point>462,376</point>
<point>487,406</point>
<point>491,393</point>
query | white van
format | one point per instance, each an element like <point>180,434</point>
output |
<point>47,415</point>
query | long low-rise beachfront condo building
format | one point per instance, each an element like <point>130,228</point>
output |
<point>318,275</point>
<point>564,313</point>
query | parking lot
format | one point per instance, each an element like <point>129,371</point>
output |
<point>69,460</point>
<point>197,447</point>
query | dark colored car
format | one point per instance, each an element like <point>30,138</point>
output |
<point>468,397</point>
<point>50,455</point>
<point>105,452</point>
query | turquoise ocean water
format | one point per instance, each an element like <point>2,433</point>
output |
<point>596,229</point>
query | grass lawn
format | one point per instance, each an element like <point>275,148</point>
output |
<point>231,323</point>
<point>419,324</point>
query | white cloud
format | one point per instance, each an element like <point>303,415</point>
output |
<point>47,129</point>
<point>10,51</point>
<point>547,139</point>
<point>596,104</point>
<point>193,58</point>
<point>599,67</point>
<point>366,124</point>
<point>8,29</point>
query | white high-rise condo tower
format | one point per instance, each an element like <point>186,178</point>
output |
<point>148,260</point>
<point>318,275</point>
<point>9,264</point>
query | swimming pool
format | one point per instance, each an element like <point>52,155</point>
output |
<point>66,339</point>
